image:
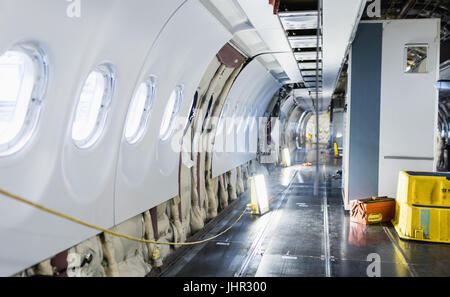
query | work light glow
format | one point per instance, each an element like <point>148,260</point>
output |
<point>287,157</point>
<point>261,194</point>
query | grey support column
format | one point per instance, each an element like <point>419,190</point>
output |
<point>364,108</point>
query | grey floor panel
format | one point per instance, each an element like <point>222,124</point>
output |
<point>353,268</point>
<point>277,265</point>
<point>216,261</point>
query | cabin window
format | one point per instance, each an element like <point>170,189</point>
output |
<point>93,106</point>
<point>192,114</point>
<point>140,110</point>
<point>23,82</point>
<point>170,113</point>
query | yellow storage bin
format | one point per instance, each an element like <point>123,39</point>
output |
<point>423,206</point>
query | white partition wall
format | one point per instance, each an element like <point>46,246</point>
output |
<point>409,102</point>
<point>147,172</point>
<point>50,169</point>
<point>391,120</point>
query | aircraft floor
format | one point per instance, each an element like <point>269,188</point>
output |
<point>298,237</point>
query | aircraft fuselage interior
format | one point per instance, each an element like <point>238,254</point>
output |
<point>224,138</point>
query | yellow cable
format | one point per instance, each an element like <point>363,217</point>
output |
<point>64,216</point>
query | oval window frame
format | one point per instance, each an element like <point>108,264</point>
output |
<point>40,61</point>
<point>179,95</point>
<point>109,74</point>
<point>152,87</point>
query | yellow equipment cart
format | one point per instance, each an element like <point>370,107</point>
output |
<point>423,206</point>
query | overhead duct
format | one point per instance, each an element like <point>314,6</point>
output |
<point>340,22</point>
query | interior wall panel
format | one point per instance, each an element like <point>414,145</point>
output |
<point>147,173</point>
<point>409,102</point>
<point>50,170</point>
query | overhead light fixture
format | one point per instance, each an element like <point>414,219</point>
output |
<point>259,198</point>
<point>310,65</point>
<point>310,72</point>
<point>303,20</point>
<point>312,84</point>
<point>303,41</point>
<point>305,56</point>
<point>311,78</point>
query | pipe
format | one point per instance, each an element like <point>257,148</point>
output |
<point>404,11</point>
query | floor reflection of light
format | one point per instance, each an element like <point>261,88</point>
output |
<point>286,176</point>
<point>288,173</point>
<point>300,178</point>
<point>287,157</point>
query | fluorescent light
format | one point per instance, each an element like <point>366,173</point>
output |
<point>299,20</point>
<point>311,55</point>
<point>311,72</point>
<point>312,84</point>
<point>311,78</point>
<point>261,194</point>
<point>303,41</point>
<point>310,65</point>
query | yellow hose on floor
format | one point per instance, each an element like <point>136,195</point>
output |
<point>64,216</point>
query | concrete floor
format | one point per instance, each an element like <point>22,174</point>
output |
<point>300,237</point>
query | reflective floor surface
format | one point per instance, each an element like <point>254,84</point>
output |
<point>307,235</point>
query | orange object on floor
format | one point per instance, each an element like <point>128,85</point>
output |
<point>372,210</point>
<point>306,164</point>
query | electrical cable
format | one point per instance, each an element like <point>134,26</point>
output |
<point>117,234</point>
